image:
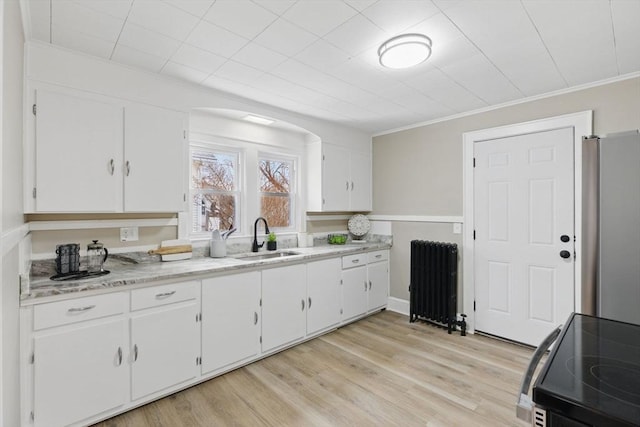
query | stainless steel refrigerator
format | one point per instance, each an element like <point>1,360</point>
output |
<point>611,226</point>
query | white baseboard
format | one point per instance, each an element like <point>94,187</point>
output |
<point>398,305</point>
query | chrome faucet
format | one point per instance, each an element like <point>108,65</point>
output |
<point>256,246</point>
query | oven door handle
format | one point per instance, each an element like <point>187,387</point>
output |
<point>525,404</point>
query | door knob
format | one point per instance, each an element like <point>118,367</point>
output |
<point>564,238</point>
<point>565,254</point>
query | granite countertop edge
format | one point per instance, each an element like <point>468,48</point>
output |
<point>131,276</point>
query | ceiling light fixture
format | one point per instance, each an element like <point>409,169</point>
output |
<point>404,51</point>
<point>257,119</point>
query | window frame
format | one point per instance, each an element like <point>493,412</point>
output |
<point>293,186</point>
<point>238,193</point>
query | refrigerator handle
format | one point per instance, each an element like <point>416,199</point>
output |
<point>524,407</point>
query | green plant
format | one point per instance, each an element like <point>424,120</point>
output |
<point>272,237</point>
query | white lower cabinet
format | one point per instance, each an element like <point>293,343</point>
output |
<point>354,292</point>
<point>323,294</point>
<point>164,337</point>
<point>230,320</point>
<point>79,372</point>
<point>378,277</point>
<point>284,293</point>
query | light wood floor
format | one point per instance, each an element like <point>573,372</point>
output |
<point>382,371</point>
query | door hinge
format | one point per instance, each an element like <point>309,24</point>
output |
<point>34,192</point>
<point>34,109</point>
<point>474,234</point>
<point>474,162</point>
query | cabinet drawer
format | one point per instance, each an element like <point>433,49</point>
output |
<point>160,295</point>
<point>354,260</point>
<point>378,256</point>
<point>78,310</point>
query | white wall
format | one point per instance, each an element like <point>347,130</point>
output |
<point>11,228</point>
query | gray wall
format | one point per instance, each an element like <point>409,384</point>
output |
<point>11,201</point>
<point>419,171</point>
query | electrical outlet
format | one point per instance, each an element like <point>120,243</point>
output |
<point>128,234</point>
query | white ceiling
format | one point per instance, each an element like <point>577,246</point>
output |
<point>318,57</point>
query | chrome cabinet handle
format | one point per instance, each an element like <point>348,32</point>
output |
<point>309,306</point>
<point>135,352</point>
<point>255,317</point>
<point>302,301</point>
<point>127,165</point>
<point>165,294</point>
<point>80,309</point>
<point>112,166</point>
<point>355,261</point>
<point>119,356</point>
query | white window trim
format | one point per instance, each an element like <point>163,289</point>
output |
<point>293,191</point>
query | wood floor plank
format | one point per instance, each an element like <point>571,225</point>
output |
<point>379,371</point>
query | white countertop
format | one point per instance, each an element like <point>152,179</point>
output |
<point>138,275</point>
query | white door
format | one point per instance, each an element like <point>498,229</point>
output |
<point>335,178</point>
<point>523,204</point>
<point>154,146</point>
<point>378,273</point>
<point>164,347</point>
<point>360,186</point>
<point>78,154</point>
<point>80,372</point>
<point>230,320</point>
<point>354,292</point>
<point>323,294</point>
<point>284,292</point>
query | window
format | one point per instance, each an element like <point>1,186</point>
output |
<point>214,189</point>
<point>276,179</point>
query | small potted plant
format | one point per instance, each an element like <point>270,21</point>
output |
<point>272,245</point>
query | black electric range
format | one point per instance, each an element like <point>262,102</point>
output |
<point>592,376</point>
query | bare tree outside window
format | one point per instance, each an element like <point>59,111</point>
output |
<point>214,190</point>
<point>276,178</point>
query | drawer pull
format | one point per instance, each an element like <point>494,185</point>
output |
<point>165,294</point>
<point>309,302</point>
<point>135,352</point>
<point>355,261</point>
<point>379,256</point>
<point>255,317</point>
<point>302,301</point>
<point>119,356</point>
<point>369,284</point>
<point>365,286</point>
<point>81,309</point>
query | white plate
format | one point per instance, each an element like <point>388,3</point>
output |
<point>359,225</point>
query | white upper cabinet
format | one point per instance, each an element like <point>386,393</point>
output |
<point>78,147</point>
<point>154,161</point>
<point>339,179</point>
<point>97,154</point>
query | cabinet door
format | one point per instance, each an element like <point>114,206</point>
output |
<point>164,348</point>
<point>79,372</point>
<point>323,294</point>
<point>154,148</point>
<point>360,190</point>
<point>354,292</point>
<point>283,306</point>
<point>230,320</point>
<point>335,178</point>
<point>378,284</point>
<point>78,152</point>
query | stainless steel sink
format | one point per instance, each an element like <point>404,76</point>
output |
<point>263,256</point>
